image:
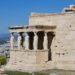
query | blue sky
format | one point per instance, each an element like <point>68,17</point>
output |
<point>16,12</point>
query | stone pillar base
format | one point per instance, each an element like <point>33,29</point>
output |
<point>27,60</point>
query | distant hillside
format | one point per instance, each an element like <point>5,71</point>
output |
<point>4,38</point>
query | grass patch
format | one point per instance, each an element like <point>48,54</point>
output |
<point>17,73</point>
<point>38,73</point>
<point>47,72</point>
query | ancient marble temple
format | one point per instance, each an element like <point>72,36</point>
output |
<point>47,42</point>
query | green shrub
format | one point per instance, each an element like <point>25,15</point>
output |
<point>2,60</point>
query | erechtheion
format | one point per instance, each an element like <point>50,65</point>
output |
<point>47,42</point>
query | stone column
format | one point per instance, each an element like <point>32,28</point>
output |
<point>26,42</point>
<point>19,40</point>
<point>45,43</point>
<point>12,41</point>
<point>35,43</point>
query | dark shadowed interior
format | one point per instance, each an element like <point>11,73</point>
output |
<point>50,38</point>
<point>31,37</point>
<point>40,40</point>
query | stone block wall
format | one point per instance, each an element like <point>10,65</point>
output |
<point>29,60</point>
<point>63,44</point>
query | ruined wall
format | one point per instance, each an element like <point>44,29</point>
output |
<point>63,45</point>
